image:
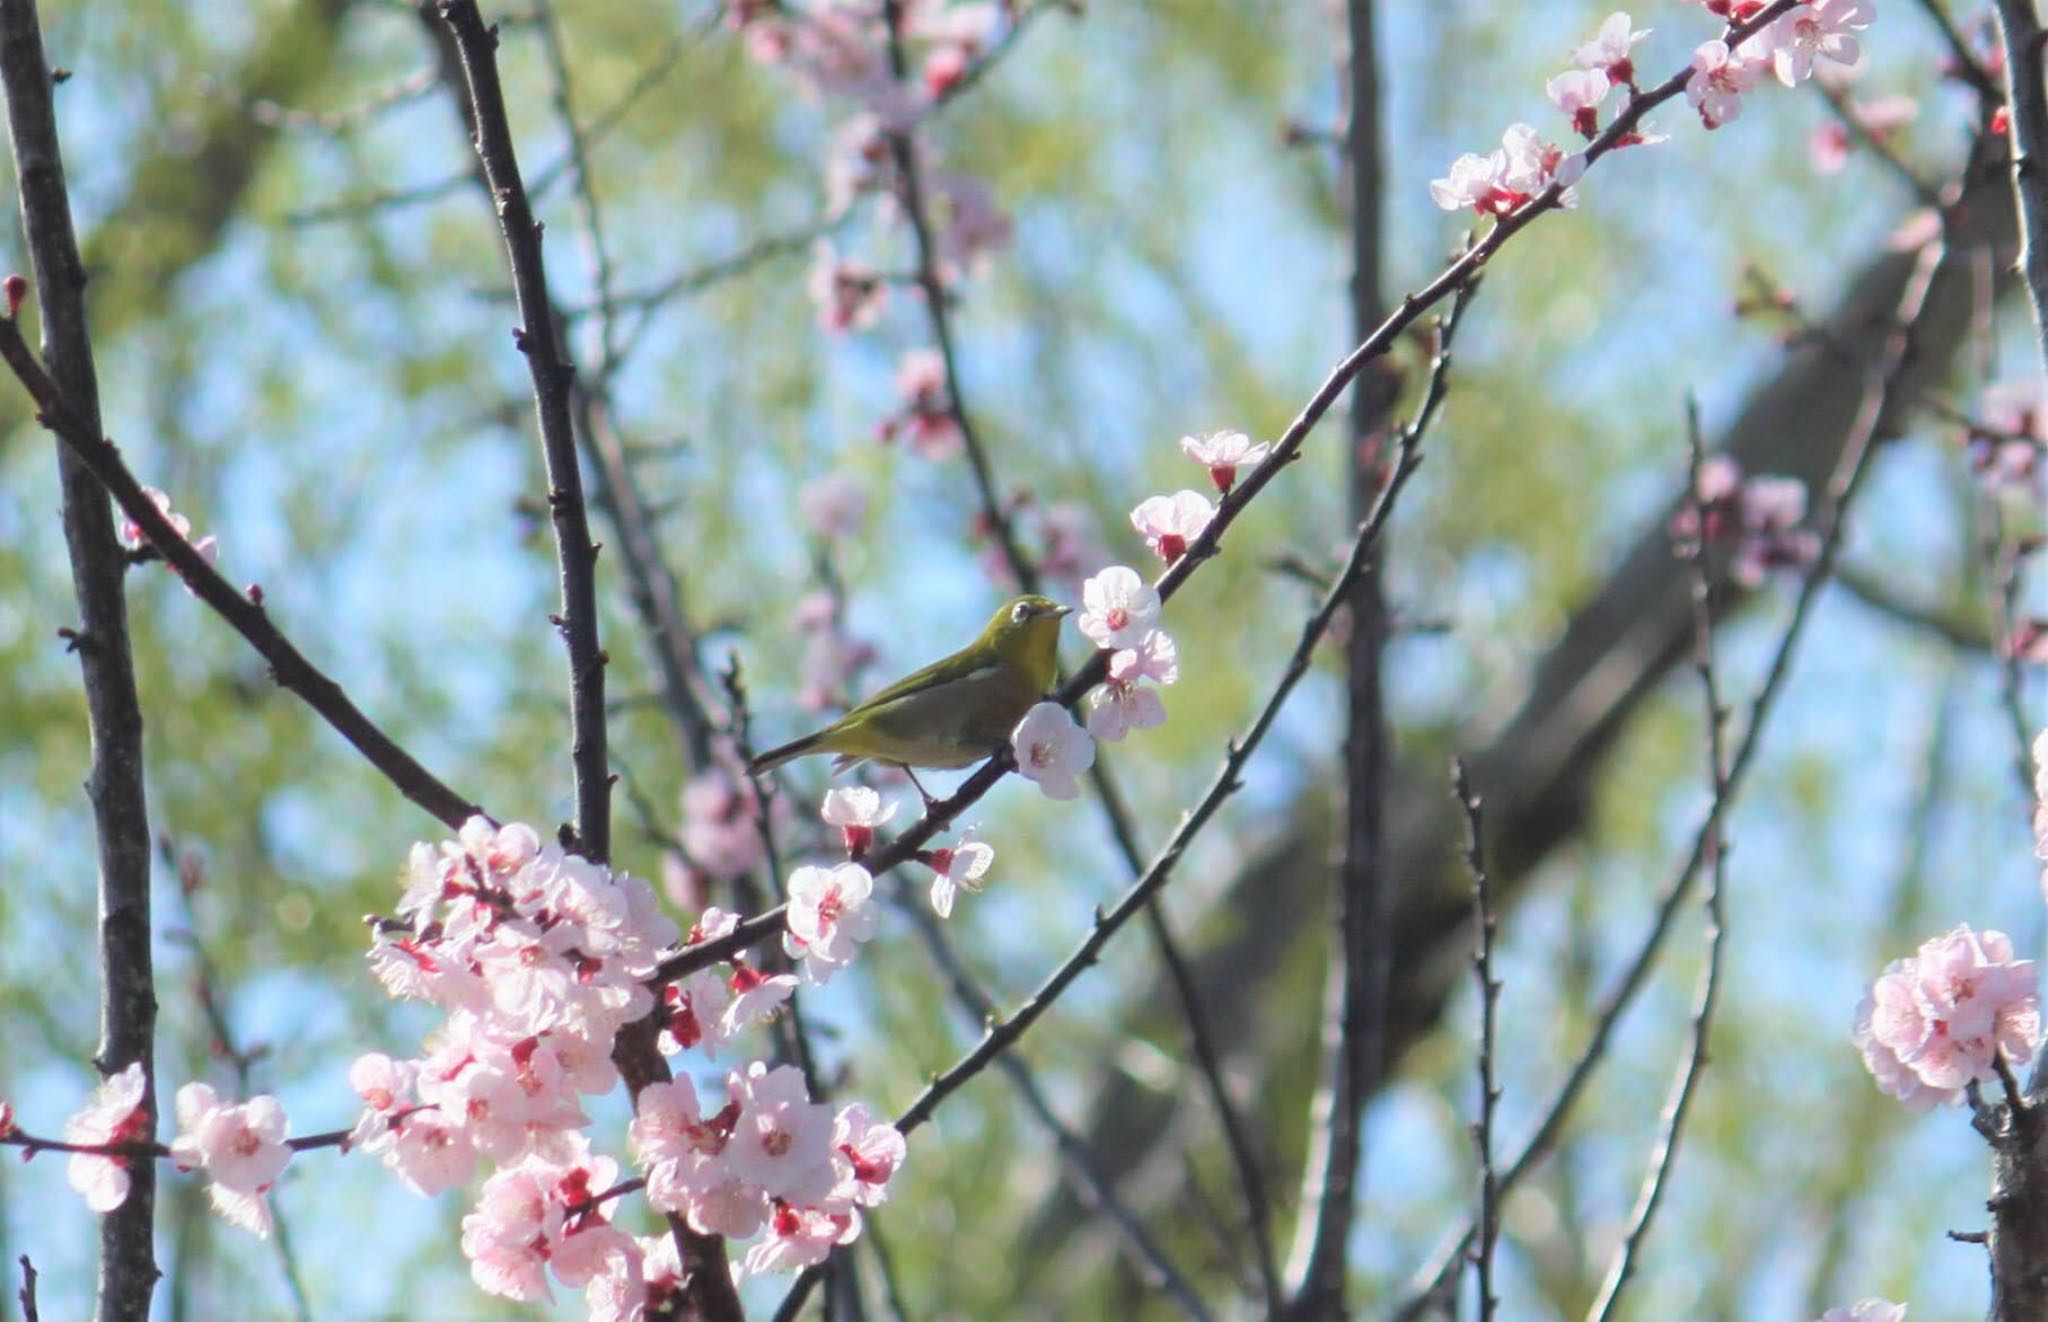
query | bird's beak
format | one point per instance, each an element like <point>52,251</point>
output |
<point>1060,612</point>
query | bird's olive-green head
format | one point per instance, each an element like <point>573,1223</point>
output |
<point>1026,633</point>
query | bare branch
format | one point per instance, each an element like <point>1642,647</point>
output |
<point>1685,1086</point>
<point>127,1266</point>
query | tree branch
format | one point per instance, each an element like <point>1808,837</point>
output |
<point>127,1267</point>
<point>1355,1003</point>
<point>552,382</point>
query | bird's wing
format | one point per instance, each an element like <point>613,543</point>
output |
<point>952,670</point>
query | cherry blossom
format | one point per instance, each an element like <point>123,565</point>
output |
<point>1755,520</point>
<point>869,1153</point>
<point>1069,547</point>
<point>927,416</point>
<point>135,539</point>
<point>833,505</point>
<point>781,1141</point>
<point>857,812</point>
<point>1523,168</point>
<point>719,830</point>
<point>1609,49</point>
<point>800,1237</point>
<point>113,1114</point>
<point>849,295</point>
<point>1121,705</point>
<point>957,868</point>
<point>1223,453</point>
<point>1823,29</point>
<point>830,914</point>
<point>1169,523</point>
<point>1118,608</point>
<point>1718,80</point>
<point>1579,94</point>
<point>1052,750</point>
<point>1939,1019</point>
<point>240,1147</point>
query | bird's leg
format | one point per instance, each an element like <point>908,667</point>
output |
<point>922,791</point>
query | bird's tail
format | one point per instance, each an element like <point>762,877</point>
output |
<point>790,751</point>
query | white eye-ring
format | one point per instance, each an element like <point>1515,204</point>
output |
<point>1019,611</point>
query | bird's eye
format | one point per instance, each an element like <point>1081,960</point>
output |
<point>1019,612</point>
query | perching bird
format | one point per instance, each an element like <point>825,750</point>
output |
<point>953,712</point>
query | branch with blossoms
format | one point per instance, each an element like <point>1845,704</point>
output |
<point>1187,529</point>
<point>150,519</point>
<point>1435,1281</point>
<point>1002,1034</point>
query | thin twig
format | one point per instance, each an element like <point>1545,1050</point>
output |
<point>1483,922</point>
<point>1094,1189</point>
<point>903,148</point>
<point>1851,470</point>
<point>27,1293</point>
<point>1685,1085</point>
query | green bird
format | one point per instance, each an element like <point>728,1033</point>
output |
<point>952,713</point>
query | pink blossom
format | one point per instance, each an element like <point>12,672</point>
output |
<point>1579,94</point>
<point>857,812</point>
<point>830,914</point>
<point>869,1153</point>
<point>1223,453</point>
<point>927,415</point>
<point>960,867</point>
<point>1866,1310</point>
<point>782,1141</point>
<point>1522,169</point>
<point>849,295</point>
<point>135,539</point>
<point>683,1152</point>
<point>1938,1020</point>
<point>1121,705</point>
<point>1118,607</point>
<point>801,1237</point>
<point>427,1151</point>
<point>1718,80</point>
<point>241,1148</point>
<point>1823,29</point>
<point>1755,520</point>
<point>1068,540</point>
<point>1609,49</point>
<point>719,830</point>
<point>859,162</point>
<point>971,226</point>
<point>1169,523</point>
<point>1051,750</point>
<point>113,1114</point>
<point>833,505</point>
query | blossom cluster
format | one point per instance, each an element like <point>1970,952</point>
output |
<point>135,539</point>
<point>1941,1019</point>
<point>240,1145</point>
<point>766,1158</point>
<point>1754,521</point>
<point>538,958</point>
<point>2005,440</point>
<point>840,50</point>
<point>1527,165</point>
